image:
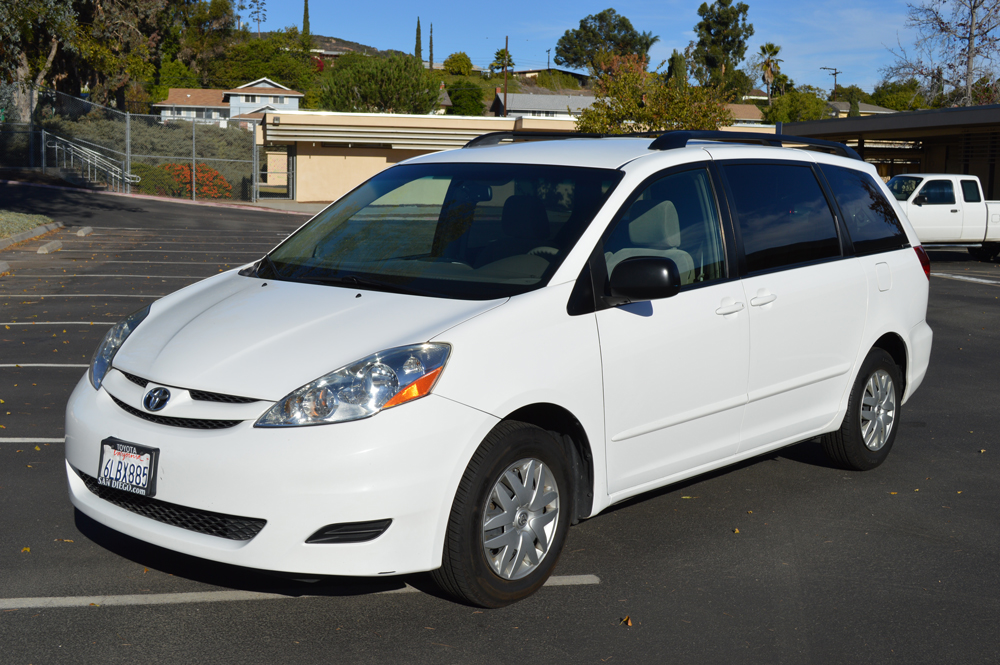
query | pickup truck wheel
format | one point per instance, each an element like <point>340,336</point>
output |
<point>988,252</point>
<point>509,518</point>
<point>869,428</point>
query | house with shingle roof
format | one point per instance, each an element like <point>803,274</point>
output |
<point>543,106</point>
<point>248,100</point>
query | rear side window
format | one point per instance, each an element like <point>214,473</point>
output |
<point>783,215</point>
<point>870,218</point>
<point>938,192</point>
<point>970,191</point>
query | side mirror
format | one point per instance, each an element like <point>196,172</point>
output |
<point>642,278</point>
<point>919,200</point>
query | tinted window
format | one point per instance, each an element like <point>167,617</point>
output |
<point>674,217</point>
<point>784,217</point>
<point>903,185</point>
<point>938,192</point>
<point>870,218</point>
<point>970,191</point>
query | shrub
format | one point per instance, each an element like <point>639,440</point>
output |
<point>458,64</point>
<point>209,183</point>
<point>554,80</point>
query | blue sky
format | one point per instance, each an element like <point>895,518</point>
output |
<point>851,35</point>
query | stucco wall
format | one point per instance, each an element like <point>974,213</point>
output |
<point>326,174</point>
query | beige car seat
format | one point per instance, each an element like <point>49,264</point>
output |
<point>655,232</point>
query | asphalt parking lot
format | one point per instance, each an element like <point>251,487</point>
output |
<point>897,565</point>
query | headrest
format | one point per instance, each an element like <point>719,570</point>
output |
<point>524,217</point>
<point>657,226</point>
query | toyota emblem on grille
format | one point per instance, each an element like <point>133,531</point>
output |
<point>156,399</point>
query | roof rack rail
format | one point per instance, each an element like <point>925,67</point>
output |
<point>495,138</point>
<point>679,139</point>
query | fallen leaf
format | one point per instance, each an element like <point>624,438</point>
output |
<point>627,621</point>
<point>916,490</point>
<point>736,530</point>
<point>893,492</point>
<point>37,448</point>
<point>749,512</point>
<point>983,450</point>
<point>959,491</point>
<point>25,549</point>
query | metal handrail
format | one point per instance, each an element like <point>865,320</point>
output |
<point>94,162</point>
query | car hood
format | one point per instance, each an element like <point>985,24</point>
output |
<point>255,338</point>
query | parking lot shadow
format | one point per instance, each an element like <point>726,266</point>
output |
<point>239,578</point>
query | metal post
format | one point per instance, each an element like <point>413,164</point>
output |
<point>43,151</point>
<point>128,153</point>
<point>254,163</point>
<point>506,45</point>
<point>31,127</point>
<point>194,165</point>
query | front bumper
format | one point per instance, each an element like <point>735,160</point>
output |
<point>403,464</point>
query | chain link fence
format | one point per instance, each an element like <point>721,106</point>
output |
<point>192,158</point>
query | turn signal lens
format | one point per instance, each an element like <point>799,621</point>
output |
<point>418,388</point>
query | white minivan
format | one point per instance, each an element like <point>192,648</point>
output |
<point>475,349</point>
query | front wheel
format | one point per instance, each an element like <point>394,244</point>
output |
<point>869,428</point>
<point>509,519</point>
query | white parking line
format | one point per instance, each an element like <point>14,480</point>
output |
<point>44,365</point>
<point>213,596</point>
<point>963,278</point>
<point>21,439</point>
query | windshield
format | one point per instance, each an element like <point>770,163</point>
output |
<point>468,231</point>
<point>902,186</point>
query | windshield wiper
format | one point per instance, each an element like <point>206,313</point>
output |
<point>365,282</point>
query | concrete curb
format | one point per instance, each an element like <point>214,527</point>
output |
<point>50,247</point>
<point>28,235</point>
<point>85,231</point>
<point>4,267</point>
<point>164,199</point>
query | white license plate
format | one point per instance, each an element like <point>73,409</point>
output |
<point>128,466</point>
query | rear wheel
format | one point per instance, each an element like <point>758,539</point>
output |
<point>509,519</point>
<point>987,252</point>
<point>869,428</point>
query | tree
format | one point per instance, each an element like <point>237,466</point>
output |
<point>851,93</point>
<point>207,31</point>
<point>458,64</point>
<point>30,35</point>
<point>900,95</point>
<point>722,32</point>
<point>769,66</point>
<point>956,42</point>
<point>598,37</point>
<point>807,103</point>
<point>645,42</point>
<point>305,19</point>
<point>677,68</point>
<point>258,13</point>
<point>630,99</point>
<point>278,56</point>
<point>430,48</point>
<point>363,84</point>
<point>501,61</point>
<point>466,99</point>
<point>173,74</point>
<point>418,50</point>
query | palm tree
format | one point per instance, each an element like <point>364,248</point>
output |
<point>645,42</point>
<point>769,67</point>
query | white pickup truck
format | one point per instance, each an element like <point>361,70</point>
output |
<point>950,210</point>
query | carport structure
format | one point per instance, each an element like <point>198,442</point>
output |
<point>955,140</point>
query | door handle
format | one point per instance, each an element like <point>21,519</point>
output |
<point>729,309</point>
<point>762,300</point>
<point>954,211</point>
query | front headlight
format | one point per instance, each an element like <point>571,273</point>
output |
<point>380,381</point>
<point>101,362</point>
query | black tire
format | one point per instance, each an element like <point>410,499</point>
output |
<point>988,252</point>
<point>847,446</point>
<point>466,571</point>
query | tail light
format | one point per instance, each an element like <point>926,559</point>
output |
<point>925,262</point>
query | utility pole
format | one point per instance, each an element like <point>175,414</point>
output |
<point>547,52</point>
<point>506,57</point>
<point>833,72</point>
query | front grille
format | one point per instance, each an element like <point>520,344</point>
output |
<point>190,423</point>
<point>137,380</point>
<point>200,395</point>
<point>204,396</point>
<point>231,527</point>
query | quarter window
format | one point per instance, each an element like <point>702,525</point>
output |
<point>783,215</point>
<point>674,217</point>
<point>938,192</point>
<point>970,191</point>
<point>870,218</point>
